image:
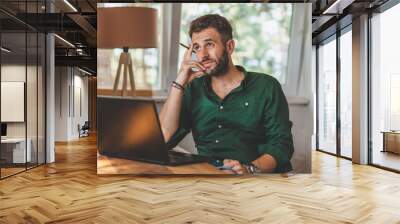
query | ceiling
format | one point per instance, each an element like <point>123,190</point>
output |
<point>329,16</point>
<point>76,25</point>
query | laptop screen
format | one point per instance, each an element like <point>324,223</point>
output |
<point>129,128</point>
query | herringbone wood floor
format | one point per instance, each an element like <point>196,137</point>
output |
<point>69,191</point>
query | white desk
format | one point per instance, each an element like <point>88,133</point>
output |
<point>18,149</point>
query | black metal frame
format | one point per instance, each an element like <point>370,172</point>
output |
<point>37,164</point>
<point>45,91</point>
<point>0,92</point>
<point>337,35</point>
<point>37,92</point>
<point>369,90</point>
<point>26,90</point>
<point>338,98</point>
<point>316,97</point>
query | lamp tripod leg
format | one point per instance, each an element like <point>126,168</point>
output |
<point>132,79</point>
<point>117,77</point>
<point>125,81</point>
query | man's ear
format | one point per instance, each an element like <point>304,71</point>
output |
<point>230,46</point>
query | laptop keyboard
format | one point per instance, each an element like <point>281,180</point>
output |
<point>179,156</point>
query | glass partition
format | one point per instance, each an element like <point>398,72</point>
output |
<point>385,89</point>
<point>327,97</point>
<point>346,94</point>
<point>22,90</point>
<point>13,109</point>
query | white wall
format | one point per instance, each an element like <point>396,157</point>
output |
<point>17,73</point>
<point>80,105</point>
<point>14,73</point>
<point>71,102</point>
<point>33,127</point>
<point>61,103</point>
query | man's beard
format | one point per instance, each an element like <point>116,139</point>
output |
<point>222,66</point>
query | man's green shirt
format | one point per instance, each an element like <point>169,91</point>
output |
<point>253,119</point>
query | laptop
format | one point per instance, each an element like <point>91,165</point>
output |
<point>129,128</point>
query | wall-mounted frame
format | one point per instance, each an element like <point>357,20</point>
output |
<point>12,101</point>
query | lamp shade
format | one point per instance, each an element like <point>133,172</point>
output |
<point>133,27</point>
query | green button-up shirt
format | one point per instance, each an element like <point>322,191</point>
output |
<point>253,119</point>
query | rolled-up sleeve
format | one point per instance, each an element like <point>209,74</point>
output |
<point>184,121</point>
<point>279,140</point>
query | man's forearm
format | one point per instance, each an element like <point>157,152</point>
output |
<point>169,115</point>
<point>266,163</point>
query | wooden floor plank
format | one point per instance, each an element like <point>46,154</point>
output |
<point>70,191</point>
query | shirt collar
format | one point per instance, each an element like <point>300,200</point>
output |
<point>245,81</point>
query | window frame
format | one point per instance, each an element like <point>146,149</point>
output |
<point>334,37</point>
<point>381,9</point>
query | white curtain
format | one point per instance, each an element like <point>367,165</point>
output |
<point>298,80</point>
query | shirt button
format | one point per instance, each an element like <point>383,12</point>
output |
<point>221,107</point>
<point>246,104</point>
<point>216,141</point>
<point>219,126</point>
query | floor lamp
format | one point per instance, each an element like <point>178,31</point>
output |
<point>126,27</point>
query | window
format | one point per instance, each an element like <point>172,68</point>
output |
<point>261,32</point>
<point>146,62</point>
<point>394,101</point>
<point>327,97</point>
<point>385,86</point>
<point>145,68</point>
<point>346,94</point>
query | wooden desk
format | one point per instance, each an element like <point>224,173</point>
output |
<point>13,150</point>
<point>111,165</point>
<point>391,141</point>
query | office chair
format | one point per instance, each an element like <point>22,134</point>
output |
<point>84,130</point>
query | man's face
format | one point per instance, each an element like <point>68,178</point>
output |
<point>211,51</point>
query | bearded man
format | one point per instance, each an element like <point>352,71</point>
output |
<point>234,114</point>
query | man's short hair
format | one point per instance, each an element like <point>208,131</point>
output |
<point>220,23</point>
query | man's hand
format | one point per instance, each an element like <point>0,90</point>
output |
<point>185,74</point>
<point>266,163</point>
<point>235,167</point>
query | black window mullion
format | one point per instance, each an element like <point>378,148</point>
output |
<point>338,73</point>
<point>37,90</point>
<point>45,94</point>
<point>0,95</point>
<point>317,96</point>
<point>26,87</point>
<point>369,89</point>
